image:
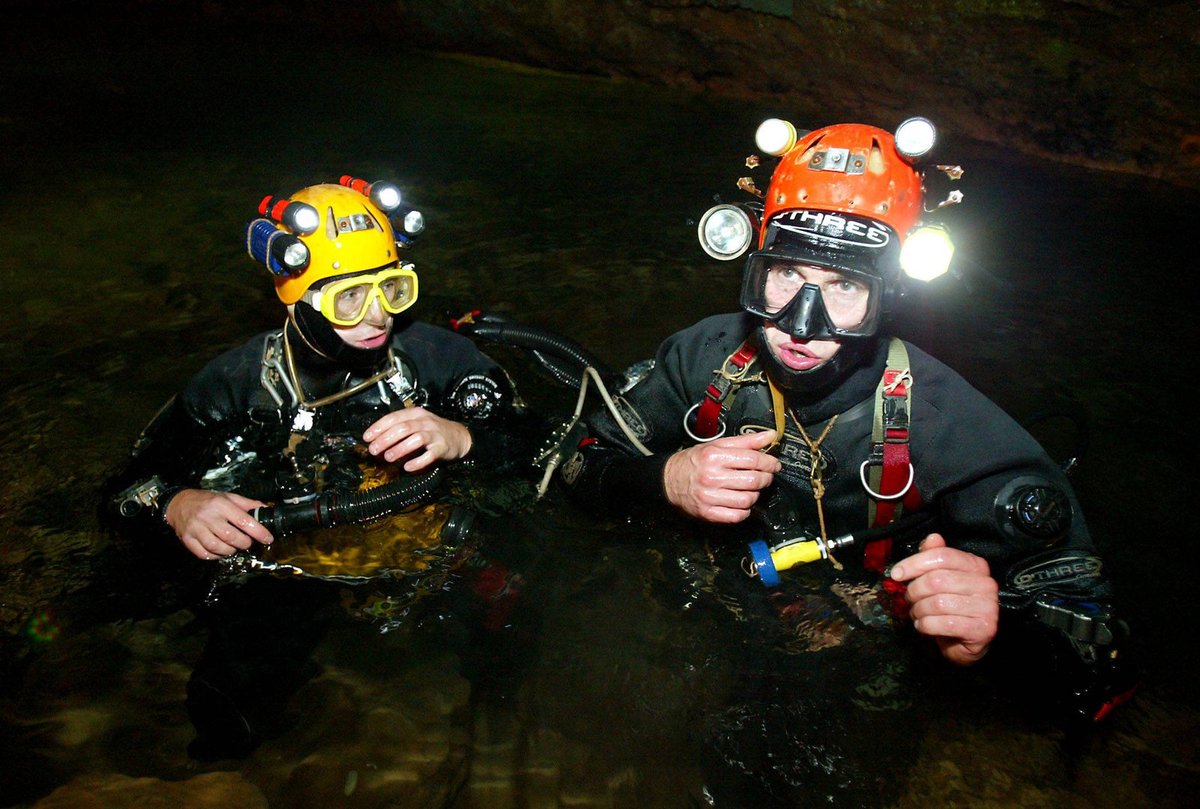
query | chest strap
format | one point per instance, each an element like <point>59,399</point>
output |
<point>888,474</point>
<point>718,396</point>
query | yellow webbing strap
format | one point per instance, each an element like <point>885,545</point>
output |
<point>780,409</point>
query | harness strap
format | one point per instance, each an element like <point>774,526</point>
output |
<point>720,392</point>
<point>780,411</point>
<point>890,476</point>
<point>279,368</point>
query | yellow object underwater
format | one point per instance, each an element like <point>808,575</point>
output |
<point>402,543</point>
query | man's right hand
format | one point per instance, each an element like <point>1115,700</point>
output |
<point>214,524</point>
<point>719,481</point>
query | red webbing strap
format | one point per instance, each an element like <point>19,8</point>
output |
<point>890,464</point>
<point>708,413</point>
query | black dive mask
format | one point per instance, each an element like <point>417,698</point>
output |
<point>811,297</point>
<point>805,317</point>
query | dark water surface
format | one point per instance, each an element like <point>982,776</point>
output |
<point>634,667</point>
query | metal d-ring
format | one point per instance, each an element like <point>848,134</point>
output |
<point>862,475</point>
<point>687,417</point>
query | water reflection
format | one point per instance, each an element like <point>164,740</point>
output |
<point>639,665</point>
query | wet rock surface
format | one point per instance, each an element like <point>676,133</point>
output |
<point>1109,84</point>
<point>114,791</point>
<point>1099,83</point>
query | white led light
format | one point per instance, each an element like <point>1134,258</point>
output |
<point>725,232</point>
<point>414,222</point>
<point>775,136</point>
<point>301,217</point>
<point>926,253</point>
<point>295,255</point>
<point>385,195</point>
<point>915,138</point>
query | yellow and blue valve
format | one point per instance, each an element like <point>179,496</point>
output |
<point>767,562</point>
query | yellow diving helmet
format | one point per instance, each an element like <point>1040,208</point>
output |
<point>330,230</point>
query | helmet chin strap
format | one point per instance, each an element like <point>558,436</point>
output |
<point>319,335</point>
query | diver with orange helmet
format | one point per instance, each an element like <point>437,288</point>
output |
<point>345,371</point>
<point>850,447</point>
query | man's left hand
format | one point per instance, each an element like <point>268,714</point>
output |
<point>954,598</point>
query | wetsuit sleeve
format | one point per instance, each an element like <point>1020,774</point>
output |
<point>175,448</point>
<point>998,495</point>
<point>608,471</point>
<point>502,434</point>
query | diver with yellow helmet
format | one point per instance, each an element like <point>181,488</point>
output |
<point>334,430</point>
<point>247,450</point>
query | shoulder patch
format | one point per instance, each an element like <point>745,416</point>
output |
<point>476,397</point>
<point>1034,507</point>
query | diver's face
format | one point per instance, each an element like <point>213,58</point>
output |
<point>845,299</point>
<point>798,355</point>
<point>372,331</point>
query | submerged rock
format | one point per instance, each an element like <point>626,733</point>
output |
<point>218,790</point>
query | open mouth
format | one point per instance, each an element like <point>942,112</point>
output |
<point>374,342</point>
<point>798,357</point>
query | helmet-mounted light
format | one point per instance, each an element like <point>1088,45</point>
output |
<point>405,220</point>
<point>926,253</point>
<point>775,136</point>
<point>407,223</point>
<point>915,138</point>
<point>298,217</point>
<point>281,252</point>
<point>846,197</point>
<point>386,196</point>
<point>727,231</point>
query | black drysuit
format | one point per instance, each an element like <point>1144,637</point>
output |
<point>227,411</point>
<point>972,466</point>
<point>263,631</point>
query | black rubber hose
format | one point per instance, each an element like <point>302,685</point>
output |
<point>491,327</point>
<point>898,529</point>
<point>563,371</point>
<point>341,507</point>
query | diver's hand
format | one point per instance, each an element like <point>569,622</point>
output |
<point>720,481</point>
<point>416,430</point>
<point>954,598</point>
<point>212,524</point>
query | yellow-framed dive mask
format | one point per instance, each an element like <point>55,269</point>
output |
<point>345,302</point>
